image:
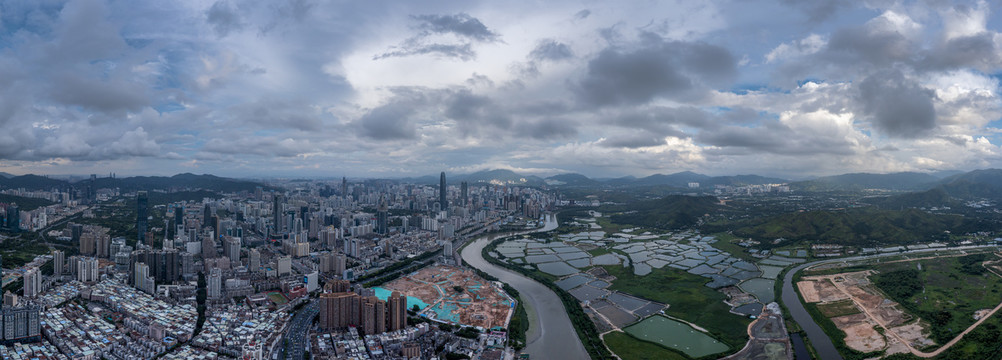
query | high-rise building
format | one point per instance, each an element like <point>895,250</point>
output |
<point>464,193</point>
<point>231,249</point>
<point>13,217</point>
<point>142,215</point>
<point>32,282</point>
<point>276,212</point>
<point>178,216</point>
<point>143,281</point>
<point>397,311</point>
<point>102,246</point>
<point>442,192</point>
<point>87,271</point>
<point>20,324</point>
<point>207,216</point>
<point>88,243</point>
<point>284,265</point>
<point>58,262</point>
<point>382,217</point>
<point>344,187</point>
<point>253,260</point>
<point>9,299</point>
<point>214,284</point>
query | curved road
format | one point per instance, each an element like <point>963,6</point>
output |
<point>821,342</point>
<point>555,338</point>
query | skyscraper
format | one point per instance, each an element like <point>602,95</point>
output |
<point>13,218</point>
<point>142,214</point>
<point>344,187</point>
<point>178,216</point>
<point>464,193</point>
<point>442,191</point>
<point>32,282</point>
<point>58,262</point>
<point>382,217</point>
<point>276,212</point>
<point>397,310</point>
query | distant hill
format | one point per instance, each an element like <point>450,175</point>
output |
<point>32,182</point>
<point>498,176</point>
<point>857,227</point>
<point>936,197</point>
<point>975,184</point>
<point>24,203</point>
<point>179,181</point>
<point>670,212</point>
<point>6,175</point>
<point>571,180</point>
<point>903,181</point>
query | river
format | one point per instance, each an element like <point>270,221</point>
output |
<point>821,342</point>
<point>550,337</point>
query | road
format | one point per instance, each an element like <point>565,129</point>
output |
<point>553,335</point>
<point>821,342</point>
<point>298,332</point>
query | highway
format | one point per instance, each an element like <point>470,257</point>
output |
<point>298,332</point>
<point>552,336</point>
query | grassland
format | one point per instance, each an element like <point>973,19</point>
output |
<point>838,308</point>
<point>949,296</point>
<point>630,348</point>
<point>688,299</point>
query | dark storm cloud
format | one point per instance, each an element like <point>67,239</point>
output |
<point>474,113</point>
<point>223,18</point>
<point>632,141</point>
<point>277,114</point>
<point>550,49</point>
<point>899,107</point>
<point>663,121</point>
<point>461,24</point>
<point>772,137</point>
<point>869,44</point>
<point>105,95</point>
<point>818,10</point>
<point>388,122</point>
<point>977,51</point>
<point>661,69</point>
<point>546,128</point>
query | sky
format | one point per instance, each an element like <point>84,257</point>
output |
<point>294,88</point>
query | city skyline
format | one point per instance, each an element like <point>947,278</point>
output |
<point>605,89</point>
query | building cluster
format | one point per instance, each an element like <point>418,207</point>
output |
<point>341,308</point>
<point>255,255</point>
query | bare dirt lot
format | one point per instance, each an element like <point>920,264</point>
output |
<point>831,293</point>
<point>473,300</point>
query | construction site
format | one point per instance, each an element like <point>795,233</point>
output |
<point>851,302</point>
<point>457,296</point>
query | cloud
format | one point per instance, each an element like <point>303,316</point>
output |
<point>898,106</point>
<point>663,69</point>
<point>818,10</point>
<point>388,122</point>
<point>223,18</point>
<point>459,51</point>
<point>465,29</point>
<point>551,50</point>
<point>461,24</point>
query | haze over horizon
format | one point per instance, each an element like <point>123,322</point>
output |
<point>396,89</point>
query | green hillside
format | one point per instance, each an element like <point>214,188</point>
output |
<point>857,227</point>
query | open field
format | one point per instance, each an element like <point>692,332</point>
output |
<point>629,348</point>
<point>948,294</point>
<point>687,299</point>
<point>676,335</point>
